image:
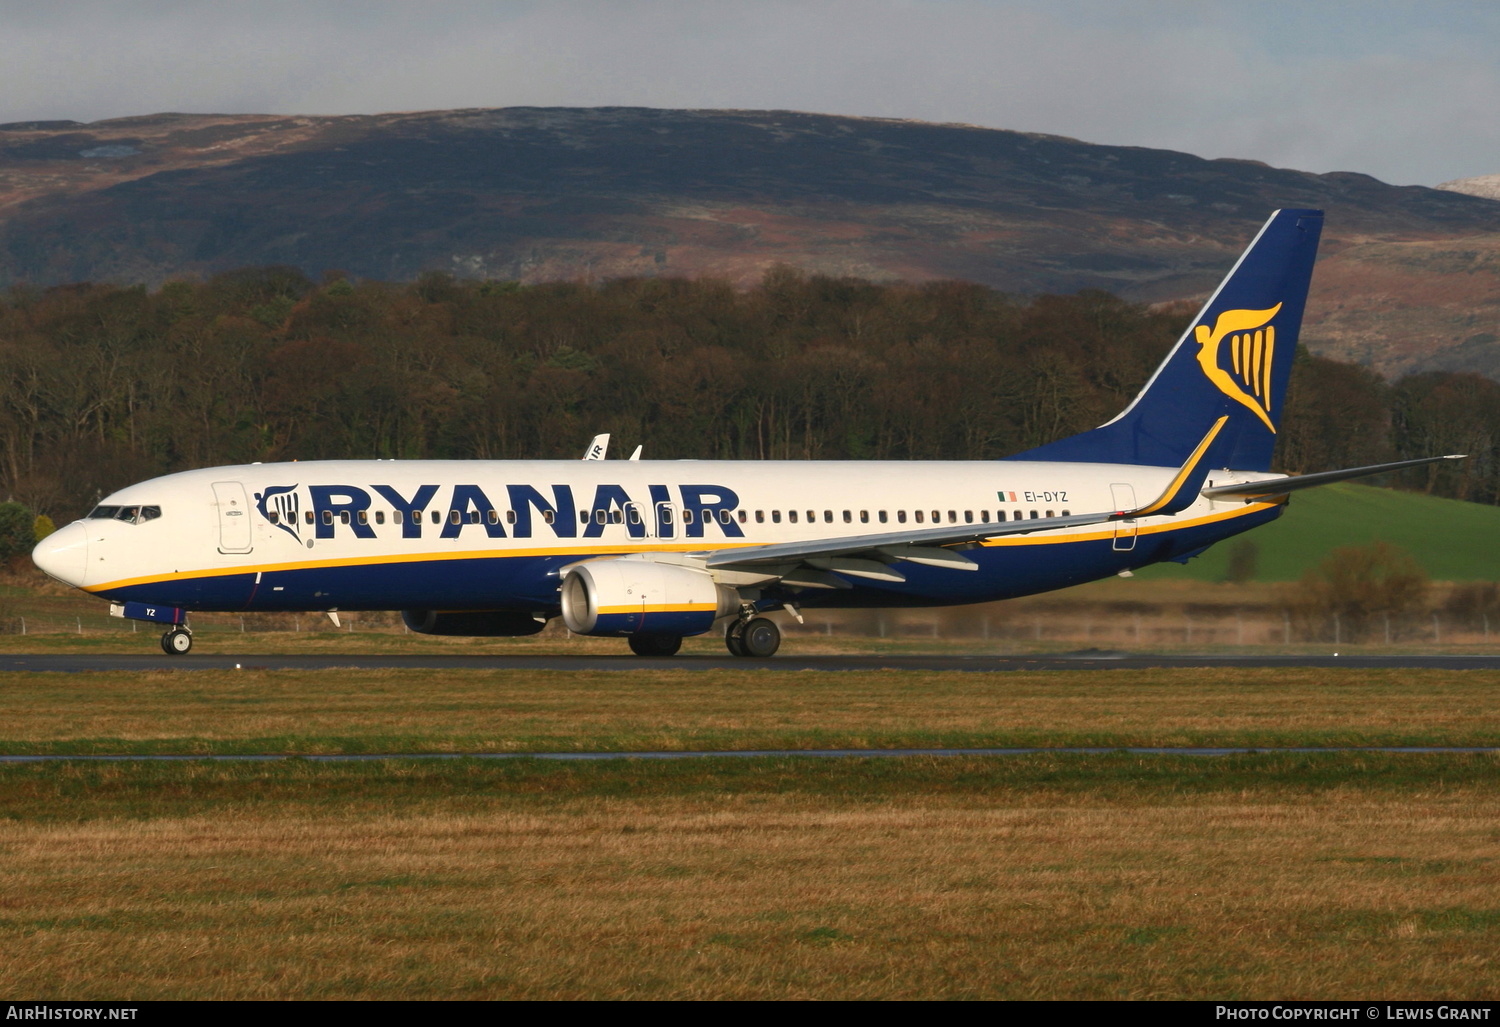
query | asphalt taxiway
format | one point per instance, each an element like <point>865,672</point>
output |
<point>1085,660</point>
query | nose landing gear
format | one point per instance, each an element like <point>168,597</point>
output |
<point>176,641</point>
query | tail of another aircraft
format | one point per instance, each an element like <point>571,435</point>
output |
<point>1234,361</point>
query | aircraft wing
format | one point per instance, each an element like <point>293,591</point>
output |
<point>948,535</point>
<point>1252,490</point>
<point>925,545</point>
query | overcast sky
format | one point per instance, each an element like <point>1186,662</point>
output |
<point>1407,92</point>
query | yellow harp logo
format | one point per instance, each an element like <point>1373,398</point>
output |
<point>1252,344</point>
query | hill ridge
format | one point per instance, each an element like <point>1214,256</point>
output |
<point>547,193</point>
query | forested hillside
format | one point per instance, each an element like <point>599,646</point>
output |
<point>107,384</point>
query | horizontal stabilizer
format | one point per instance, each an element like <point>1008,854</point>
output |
<point>1281,486</point>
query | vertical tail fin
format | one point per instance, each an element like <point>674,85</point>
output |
<point>1235,360</point>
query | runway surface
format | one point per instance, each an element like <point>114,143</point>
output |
<point>1086,660</point>
<point>738,753</point>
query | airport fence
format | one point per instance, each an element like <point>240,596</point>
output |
<point>1130,627</point>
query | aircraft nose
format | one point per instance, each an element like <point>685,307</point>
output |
<point>64,554</point>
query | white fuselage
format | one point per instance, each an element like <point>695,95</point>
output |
<point>355,534</point>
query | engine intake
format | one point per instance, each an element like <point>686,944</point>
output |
<point>487,623</point>
<point>623,597</point>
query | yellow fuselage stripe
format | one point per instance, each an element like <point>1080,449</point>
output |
<point>659,608</point>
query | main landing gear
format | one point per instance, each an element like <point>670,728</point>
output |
<point>176,641</point>
<point>757,637</point>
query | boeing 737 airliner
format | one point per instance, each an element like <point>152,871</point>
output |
<point>657,550</point>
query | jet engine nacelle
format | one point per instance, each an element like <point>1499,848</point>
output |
<point>487,623</point>
<point>625,597</point>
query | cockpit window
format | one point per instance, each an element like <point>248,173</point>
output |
<point>128,514</point>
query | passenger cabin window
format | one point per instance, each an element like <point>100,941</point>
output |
<point>1034,515</point>
<point>999,515</point>
<point>274,517</point>
<point>309,516</point>
<point>395,516</point>
<point>900,516</point>
<point>364,517</point>
<point>379,516</point>
<point>454,517</point>
<point>327,516</point>
<point>723,516</point>
<point>744,515</point>
<point>775,516</point>
<point>918,515</point>
<point>848,517</point>
<point>952,516</point>
<point>968,516</point>
<point>760,517</point>
<point>687,517</point>
<point>547,516</point>
<point>1051,514</point>
<point>343,516</point>
<point>791,515</point>
<point>827,516</point>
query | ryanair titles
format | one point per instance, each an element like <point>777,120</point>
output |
<point>308,512</point>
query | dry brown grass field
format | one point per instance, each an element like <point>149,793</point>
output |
<point>1051,876</point>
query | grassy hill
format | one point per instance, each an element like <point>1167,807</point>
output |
<point>548,194</point>
<point>1454,541</point>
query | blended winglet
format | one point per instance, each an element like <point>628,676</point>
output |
<point>1182,491</point>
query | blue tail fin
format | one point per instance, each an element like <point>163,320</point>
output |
<point>1235,360</point>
